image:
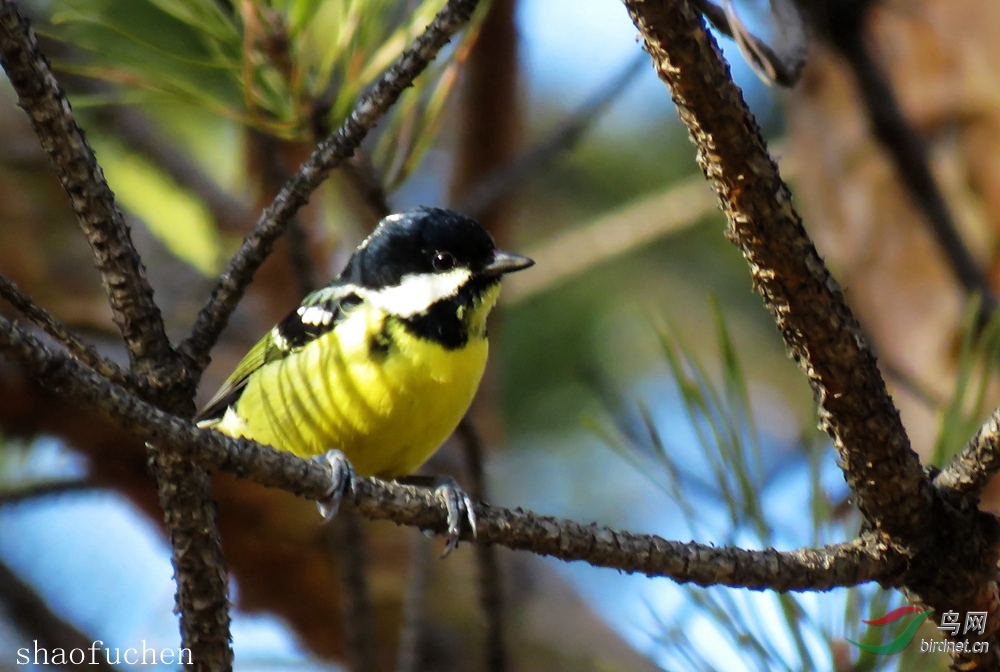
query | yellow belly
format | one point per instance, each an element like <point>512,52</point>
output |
<point>387,413</point>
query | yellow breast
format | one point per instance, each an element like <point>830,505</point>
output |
<point>384,397</point>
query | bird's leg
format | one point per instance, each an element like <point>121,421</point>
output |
<point>456,501</point>
<point>341,481</point>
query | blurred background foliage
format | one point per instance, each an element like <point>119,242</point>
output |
<point>636,379</point>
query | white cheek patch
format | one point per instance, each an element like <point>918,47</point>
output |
<point>416,293</point>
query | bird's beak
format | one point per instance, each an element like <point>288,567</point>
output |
<point>506,262</point>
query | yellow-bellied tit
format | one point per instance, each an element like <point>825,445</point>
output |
<point>376,369</point>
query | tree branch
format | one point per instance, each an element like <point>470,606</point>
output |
<point>29,612</point>
<point>496,186</point>
<point>129,292</point>
<point>58,331</point>
<point>411,632</point>
<point>328,155</point>
<point>843,26</point>
<point>491,595</point>
<point>819,329</point>
<point>183,486</point>
<point>848,564</point>
<point>953,551</point>
<point>346,541</point>
<point>971,470</point>
<point>43,489</point>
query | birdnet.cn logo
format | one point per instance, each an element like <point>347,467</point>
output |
<point>951,622</point>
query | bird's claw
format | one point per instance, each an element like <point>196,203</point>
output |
<point>459,506</point>
<point>341,481</point>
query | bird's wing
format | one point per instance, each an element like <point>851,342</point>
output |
<point>318,313</point>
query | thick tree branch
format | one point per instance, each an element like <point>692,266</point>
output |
<point>328,155</point>
<point>819,329</point>
<point>129,292</point>
<point>183,486</point>
<point>848,564</point>
<point>953,550</point>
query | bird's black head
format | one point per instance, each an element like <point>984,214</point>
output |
<point>427,241</point>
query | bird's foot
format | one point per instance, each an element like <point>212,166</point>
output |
<point>341,482</point>
<point>457,502</point>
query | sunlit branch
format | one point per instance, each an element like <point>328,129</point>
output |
<point>805,569</point>
<point>952,561</point>
<point>330,153</point>
<point>567,254</point>
<point>806,302</point>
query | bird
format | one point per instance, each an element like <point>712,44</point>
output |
<point>374,371</point>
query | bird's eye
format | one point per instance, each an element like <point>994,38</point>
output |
<point>442,261</point>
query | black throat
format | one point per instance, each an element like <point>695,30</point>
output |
<point>446,322</point>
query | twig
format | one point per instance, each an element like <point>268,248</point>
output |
<point>62,335</point>
<point>971,470</point>
<point>44,489</point>
<point>29,612</point>
<point>843,26</point>
<point>511,176</point>
<point>491,596</point>
<point>848,564</point>
<point>129,292</point>
<point>412,631</point>
<point>764,60</point>
<point>578,249</point>
<point>328,155</point>
<point>347,542</point>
